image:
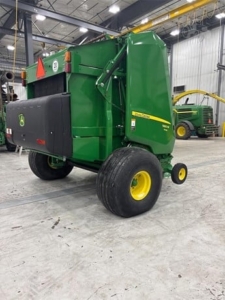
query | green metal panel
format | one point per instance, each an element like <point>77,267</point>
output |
<point>192,113</point>
<point>89,111</point>
<point>83,151</point>
<point>94,56</point>
<point>53,65</point>
<point>149,106</point>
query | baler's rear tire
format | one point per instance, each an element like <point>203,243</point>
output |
<point>182,131</point>
<point>39,164</point>
<point>129,181</point>
<point>179,173</point>
<point>10,147</point>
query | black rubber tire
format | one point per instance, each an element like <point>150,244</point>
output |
<point>115,177</point>
<point>40,167</point>
<point>187,133</point>
<point>202,136</point>
<point>176,175</point>
<point>10,147</point>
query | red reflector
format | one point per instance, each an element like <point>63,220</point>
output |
<point>209,121</point>
<point>40,72</point>
<point>40,142</point>
<point>68,68</point>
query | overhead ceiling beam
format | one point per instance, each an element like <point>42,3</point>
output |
<point>138,10</point>
<point>10,22</point>
<point>195,29</point>
<point>9,62</point>
<point>37,38</point>
<point>128,15</point>
<point>57,16</point>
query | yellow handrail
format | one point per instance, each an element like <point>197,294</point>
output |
<point>175,13</point>
<point>184,94</point>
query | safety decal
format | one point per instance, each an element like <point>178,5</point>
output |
<point>133,124</point>
<point>21,120</point>
<point>55,66</point>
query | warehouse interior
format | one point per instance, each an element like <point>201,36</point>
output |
<point>156,70</point>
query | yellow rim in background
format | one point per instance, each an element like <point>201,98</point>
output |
<point>182,174</point>
<point>50,163</point>
<point>181,131</point>
<point>140,185</point>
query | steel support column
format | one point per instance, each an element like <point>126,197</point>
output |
<point>171,69</point>
<point>28,39</point>
<point>220,74</point>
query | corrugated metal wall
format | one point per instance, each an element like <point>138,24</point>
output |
<point>195,66</point>
<point>20,91</point>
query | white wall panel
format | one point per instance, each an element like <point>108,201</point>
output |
<point>195,66</point>
<point>20,91</point>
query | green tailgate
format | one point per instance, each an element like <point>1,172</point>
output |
<point>149,107</point>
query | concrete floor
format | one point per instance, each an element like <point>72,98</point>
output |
<point>58,242</point>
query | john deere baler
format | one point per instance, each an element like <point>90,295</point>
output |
<point>105,107</point>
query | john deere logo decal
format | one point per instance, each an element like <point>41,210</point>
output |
<point>21,120</point>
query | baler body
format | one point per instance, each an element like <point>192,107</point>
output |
<point>104,107</point>
<point>88,119</point>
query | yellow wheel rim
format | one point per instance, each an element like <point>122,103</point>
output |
<point>181,131</point>
<point>182,174</point>
<point>140,185</point>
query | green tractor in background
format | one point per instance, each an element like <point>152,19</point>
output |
<point>194,120</point>
<point>5,77</point>
<point>104,107</point>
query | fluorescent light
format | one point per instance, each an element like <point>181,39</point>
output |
<point>144,21</point>
<point>175,32</point>
<point>83,29</point>
<point>220,16</point>
<point>10,47</point>
<point>45,54</point>
<point>40,17</point>
<point>114,9</point>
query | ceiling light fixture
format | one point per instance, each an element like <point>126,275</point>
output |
<point>220,16</point>
<point>10,47</point>
<point>190,1</point>
<point>83,29</point>
<point>40,17</point>
<point>45,54</point>
<point>114,9</point>
<point>144,21</point>
<point>175,32</point>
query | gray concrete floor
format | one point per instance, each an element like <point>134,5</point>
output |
<point>175,251</point>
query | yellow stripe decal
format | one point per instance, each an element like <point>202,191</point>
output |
<point>149,117</point>
<point>185,111</point>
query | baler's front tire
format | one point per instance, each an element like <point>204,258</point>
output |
<point>39,164</point>
<point>129,181</point>
<point>179,173</point>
